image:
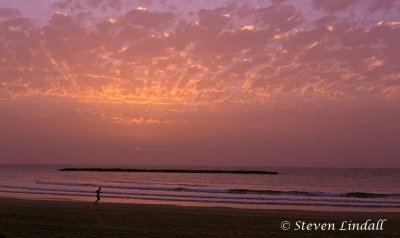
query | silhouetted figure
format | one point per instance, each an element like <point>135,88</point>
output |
<point>98,191</point>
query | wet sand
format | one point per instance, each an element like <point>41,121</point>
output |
<point>36,218</point>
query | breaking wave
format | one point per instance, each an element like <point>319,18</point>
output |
<point>228,191</point>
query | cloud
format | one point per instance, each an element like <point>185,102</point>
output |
<point>334,5</point>
<point>202,82</point>
<point>253,53</point>
<point>9,12</point>
<point>279,17</point>
<point>382,5</point>
<point>143,18</point>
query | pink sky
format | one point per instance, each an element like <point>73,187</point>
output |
<point>227,83</point>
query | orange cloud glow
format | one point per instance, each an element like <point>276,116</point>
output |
<point>239,80</point>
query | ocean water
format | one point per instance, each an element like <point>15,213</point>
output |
<point>333,189</point>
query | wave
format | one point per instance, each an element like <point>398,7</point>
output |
<point>142,182</point>
<point>230,191</point>
<point>323,194</point>
<point>195,171</point>
<point>232,197</point>
<point>160,188</point>
<point>371,195</point>
<point>209,201</point>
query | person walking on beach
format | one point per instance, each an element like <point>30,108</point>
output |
<point>98,191</point>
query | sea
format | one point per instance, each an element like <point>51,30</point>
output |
<point>326,189</point>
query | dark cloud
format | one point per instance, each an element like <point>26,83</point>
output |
<point>333,6</point>
<point>213,20</point>
<point>382,5</point>
<point>279,17</point>
<point>149,19</point>
<point>9,12</point>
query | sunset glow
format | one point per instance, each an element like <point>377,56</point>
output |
<point>260,83</point>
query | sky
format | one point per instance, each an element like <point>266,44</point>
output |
<point>200,83</point>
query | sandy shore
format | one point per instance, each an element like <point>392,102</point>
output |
<point>33,218</point>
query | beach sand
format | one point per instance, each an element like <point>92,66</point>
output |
<point>35,218</point>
